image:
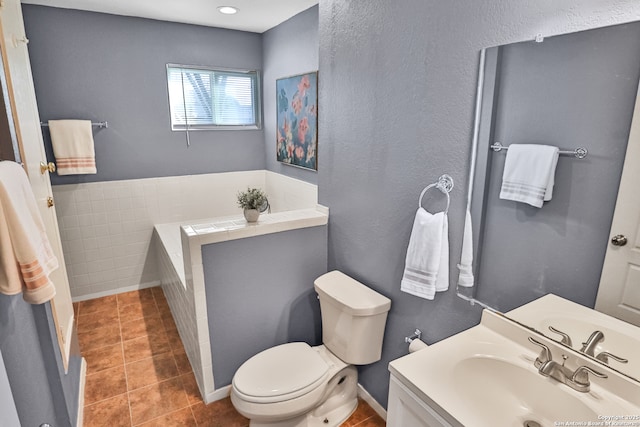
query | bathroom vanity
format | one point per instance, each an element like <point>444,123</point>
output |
<point>501,373</point>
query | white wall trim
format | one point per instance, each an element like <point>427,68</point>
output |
<point>364,395</point>
<point>83,380</point>
<point>116,291</point>
<point>219,394</point>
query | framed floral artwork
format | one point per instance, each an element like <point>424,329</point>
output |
<point>297,120</point>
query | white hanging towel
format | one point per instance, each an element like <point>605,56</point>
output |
<point>26,258</point>
<point>426,268</point>
<point>529,172</point>
<point>73,147</point>
<point>465,278</point>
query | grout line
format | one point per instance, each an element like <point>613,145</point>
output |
<point>363,421</point>
<point>165,415</point>
<point>124,362</point>
<point>178,409</point>
<point>193,415</point>
<point>102,400</point>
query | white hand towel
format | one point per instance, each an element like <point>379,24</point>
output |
<point>26,258</point>
<point>529,172</point>
<point>427,263</point>
<point>465,278</point>
<point>72,142</point>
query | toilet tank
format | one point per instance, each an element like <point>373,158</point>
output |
<point>353,318</point>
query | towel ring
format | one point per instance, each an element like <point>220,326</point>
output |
<point>444,184</point>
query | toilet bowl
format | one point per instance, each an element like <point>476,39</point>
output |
<point>280,387</point>
<point>296,385</point>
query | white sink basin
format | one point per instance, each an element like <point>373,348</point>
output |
<point>621,338</point>
<point>523,394</point>
<point>485,377</point>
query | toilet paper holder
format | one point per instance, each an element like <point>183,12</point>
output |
<point>417,334</point>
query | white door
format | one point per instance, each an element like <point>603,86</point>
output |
<point>619,291</point>
<point>22,92</point>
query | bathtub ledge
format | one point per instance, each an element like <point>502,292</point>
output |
<point>236,227</point>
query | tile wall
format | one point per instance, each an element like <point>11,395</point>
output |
<point>106,227</point>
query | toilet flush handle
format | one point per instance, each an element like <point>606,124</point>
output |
<point>417,334</point>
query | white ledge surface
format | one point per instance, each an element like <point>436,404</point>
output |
<point>236,227</point>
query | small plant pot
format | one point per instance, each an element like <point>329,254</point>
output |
<point>251,215</point>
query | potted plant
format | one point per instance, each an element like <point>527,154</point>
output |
<point>251,201</point>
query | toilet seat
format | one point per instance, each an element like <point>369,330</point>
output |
<point>281,373</point>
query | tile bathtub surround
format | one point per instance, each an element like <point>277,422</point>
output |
<point>179,253</point>
<point>106,227</point>
<point>136,369</point>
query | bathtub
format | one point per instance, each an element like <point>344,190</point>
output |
<point>178,247</point>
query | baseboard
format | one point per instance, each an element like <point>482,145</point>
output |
<point>364,395</point>
<point>219,394</point>
<point>83,380</point>
<point>116,291</point>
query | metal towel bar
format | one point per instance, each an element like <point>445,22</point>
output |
<point>101,125</point>
<point>579,152</point>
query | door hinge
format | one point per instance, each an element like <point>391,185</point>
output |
<point>15,40</point>
<point>49,202</point>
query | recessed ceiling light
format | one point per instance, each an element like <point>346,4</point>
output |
<point>228,10</point>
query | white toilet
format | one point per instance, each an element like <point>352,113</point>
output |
<point>295,385</point>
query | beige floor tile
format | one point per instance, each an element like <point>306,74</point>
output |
<point>104,385</point>
<point>144,347</point>
<point>99,337</point>
<point>191,388</point>
<point>138,310</point>
<point>97,319</point>
<point>180,418</point>
<point>141,327</point>
<point>150,371</point>
<point>98,304</point>
<point>113,412</point>
<point>103,358</point>
<point>182,361</point>
<point>218,414</point>
<point>157,400</point>
<point>132,297</point>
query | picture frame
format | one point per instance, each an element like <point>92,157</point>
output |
<point>297,120</point>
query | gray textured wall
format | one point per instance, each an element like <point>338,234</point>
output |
<point>41,390</point>
<point>105,67</point>
<point>260,294</point>
<point>290,48</point>
<point>7,405</point>
<point>401,84</point>
<point>573,90</point>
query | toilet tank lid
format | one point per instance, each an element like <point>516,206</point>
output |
<point>354,297</point>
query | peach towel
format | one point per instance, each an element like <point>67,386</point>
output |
<point>72,142</point>
<point>26,258</point>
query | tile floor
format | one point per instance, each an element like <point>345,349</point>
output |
<point>138,373</point>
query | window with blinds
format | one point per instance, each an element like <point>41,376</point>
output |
<point>204,98</point>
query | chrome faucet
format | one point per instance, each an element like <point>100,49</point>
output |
<point>577,380</point>
<point>605,355</point>
<point>589,347</point>
<point>566,339</point>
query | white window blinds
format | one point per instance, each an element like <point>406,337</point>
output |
<point>201,98</point>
